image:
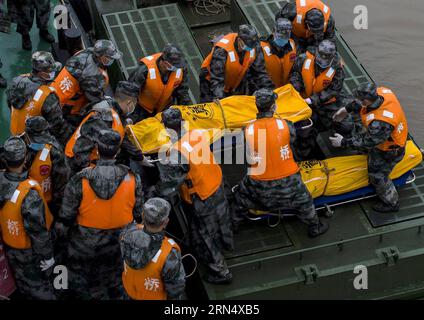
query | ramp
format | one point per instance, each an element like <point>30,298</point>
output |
<point>141,32</point>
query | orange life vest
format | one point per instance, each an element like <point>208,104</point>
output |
<point>11,221</point>
<point>116,125</point>
<point>69,92</point>
<point>41,170</point>
<point>147,283</point>
<point>303,7</point>
<point>318,84</point>
<point>204,176</point>
<point>113,213</point>
<point>268,140</point>
<point>279,68</point>
<point>32,108</point>
<point>234,71</point>
<point>391,112</point>
<point>156,95</point>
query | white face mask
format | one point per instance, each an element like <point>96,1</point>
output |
<point>48,76</point>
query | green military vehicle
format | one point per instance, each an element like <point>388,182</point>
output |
<point>274,258</point>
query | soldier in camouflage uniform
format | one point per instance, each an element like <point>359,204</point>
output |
<point>209,219</point>
<point>37,131</point>
<point>140,245</point>
<point>314,20</point>
<point>88,67</point>
<point>25,17</point>
<point>24,87</point>
<point>3,82</point>
<point>380,163</point>
<point>94,258</point>
<point>170,60</point>
<point>288,192</point>
<point>32,267</point>
<point>256,77</point>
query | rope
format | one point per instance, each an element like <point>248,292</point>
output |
<point>195,264</point>
<point>210,7</point>
<point>222,112</point>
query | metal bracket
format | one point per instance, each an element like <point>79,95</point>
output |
<point>390,255</point>
<point>308,274</point>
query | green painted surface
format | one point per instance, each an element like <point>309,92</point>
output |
<point>15,62</point>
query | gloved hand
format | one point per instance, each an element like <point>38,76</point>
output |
<point>146,162</point>
<point>336,140</point>
<point>340,115</point>
<point>47,264</point>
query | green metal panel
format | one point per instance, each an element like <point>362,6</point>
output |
<point>260,13</point>
<point>139,33</point>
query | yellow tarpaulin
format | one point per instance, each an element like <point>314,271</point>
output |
<point>230,113</point>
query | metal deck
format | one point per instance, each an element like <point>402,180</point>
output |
<point>139,33</point>
<point>260,13</point>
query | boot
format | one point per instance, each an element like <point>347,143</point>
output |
<point>219,278</point>
<point>45,34</point>
<point>385,208</point>
<point>314,230</point>
<point>26,42</point>
<point>3,82</point>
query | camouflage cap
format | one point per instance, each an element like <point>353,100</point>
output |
<point>283,27</point>
<point>108,142</point>
<point>315,20</point>
<point>249,35</point>
<point>156,210</point>
<point>366,91</point>
<point>173,55</point>
<point>127,88</point>
<point>15,149</point>
<point>265,99</point>
<point>172,118</point>
<point>36,125</point>
<point>17,93</point>
<point>43,61</point>
<point>107,48</point>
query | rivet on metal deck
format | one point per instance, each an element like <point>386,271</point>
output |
<point>139,33</point>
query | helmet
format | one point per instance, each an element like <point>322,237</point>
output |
<point>43,61</point>
<point>249,35</point>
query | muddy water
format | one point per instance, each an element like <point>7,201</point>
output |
<point>392,49</point>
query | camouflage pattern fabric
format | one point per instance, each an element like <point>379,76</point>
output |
<point>25,14</point>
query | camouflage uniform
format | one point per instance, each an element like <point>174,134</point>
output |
<point>139,246</point>
<point>94,258</point>
<point>24,88</point>
<point>86,67</point>
<point>31,282</point>
<point>209,220</point>
<point>3,82</point>
<point>256,77</point>
<point>37,130</point>
<point>181,93</point>
<point>289,12</point>
<point>380,163</point>
<point>25,14</point>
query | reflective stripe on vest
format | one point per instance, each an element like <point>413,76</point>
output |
<point>147,283</point>
<point>390,112</point>
<point>279,68</point>
<point>268,140</point>
<point>234,71</point>
<point>11,221</point>
<point>303,7</point>
<point>315,85</point>
<point>204,176</point>
<point>112,213</point>
<point>41,169</point>
<point>116,125</point>
<point>156,95</point>
<point>32,108</point>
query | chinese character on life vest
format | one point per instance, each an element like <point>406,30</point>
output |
<point>65,85</point>
<point>12,227</point>
<point>46,184</point>
<point>285,152</point>
<point>151,284</point>
<point>400,127</point>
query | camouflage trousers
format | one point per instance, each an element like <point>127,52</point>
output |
<point>210,231</point>
<point>323,119</point>
<point>25,14</point>
<point>380,165</point>
<point>285,193</point>
<point>31,282</point>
